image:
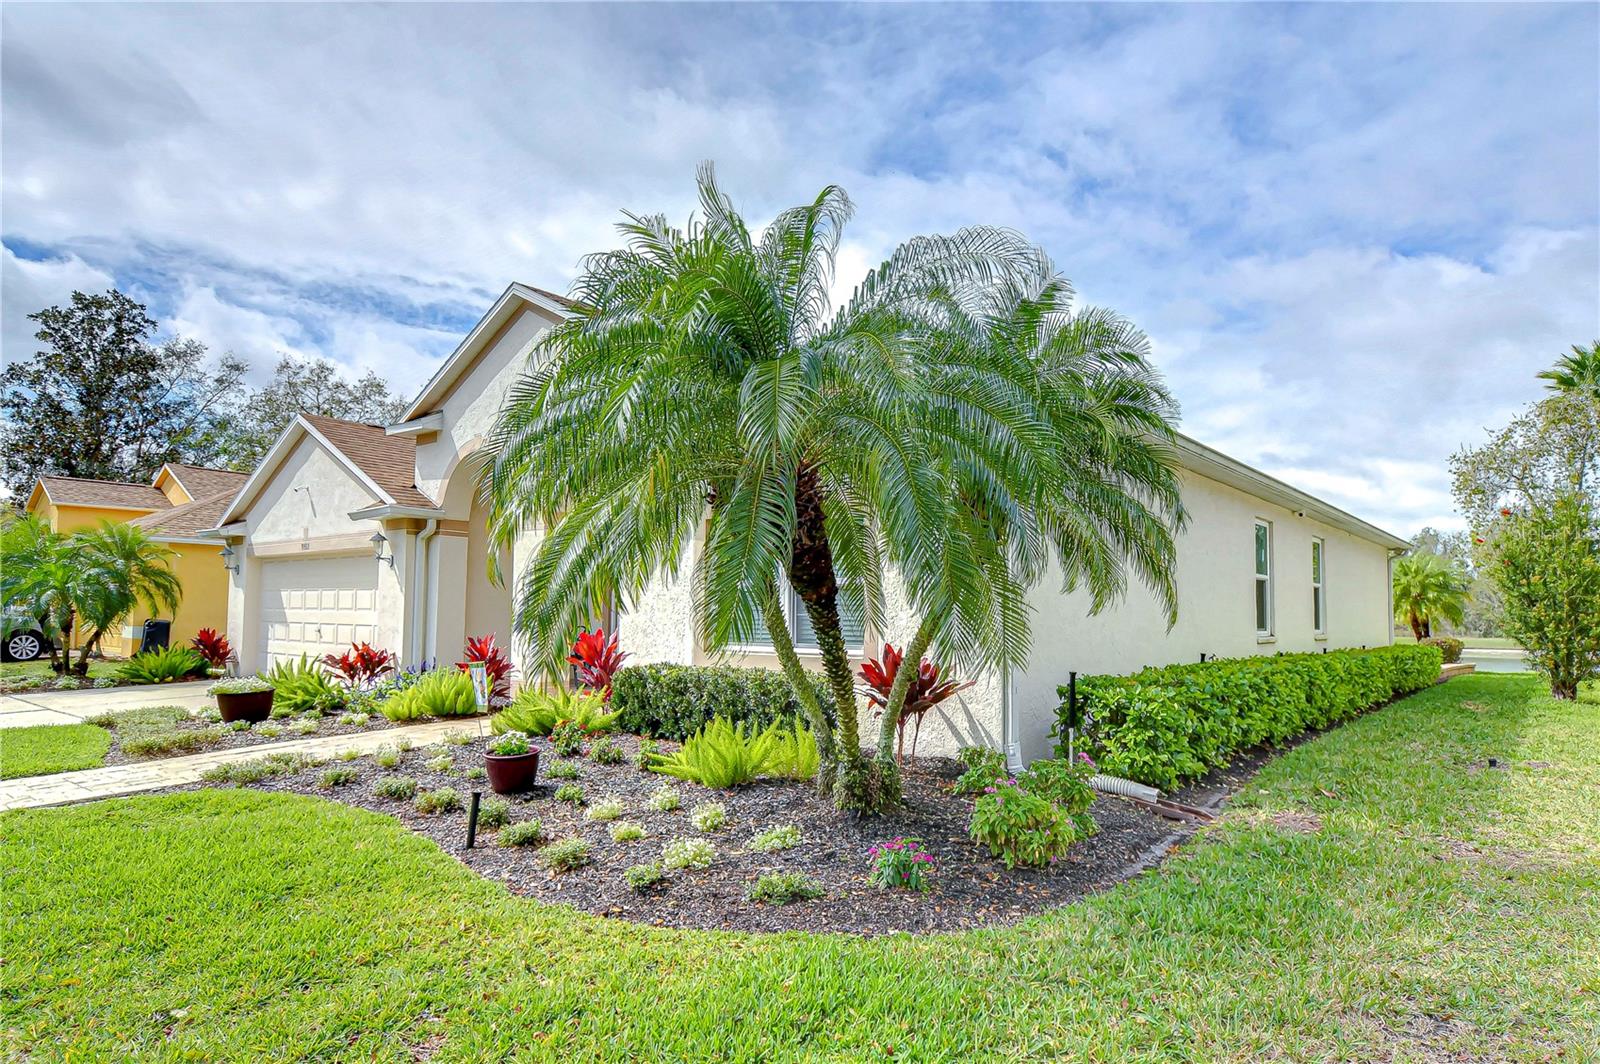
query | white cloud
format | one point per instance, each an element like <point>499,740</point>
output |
<point>28,285</point>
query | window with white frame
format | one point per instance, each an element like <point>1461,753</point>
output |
<point>1263,578</point>
<point>851,626</point>
<point>1319,595</point>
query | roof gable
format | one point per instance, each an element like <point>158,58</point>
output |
<point>201,482</point>
<point>512,301</point>
<point>102,494</point>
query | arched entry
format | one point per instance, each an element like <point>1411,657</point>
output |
<point>465,600</point>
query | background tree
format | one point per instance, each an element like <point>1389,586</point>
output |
<point>101,399</point>
<point>1482,614</point>
<point>1576,374</point>
<point>311,386</point>
<point>1428,589</point>
<point>705,378</point>
<point>1549,576</point>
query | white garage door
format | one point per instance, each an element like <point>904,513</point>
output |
<point>317,606</point>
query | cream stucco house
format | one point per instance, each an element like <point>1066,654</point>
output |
<point>369,532</point>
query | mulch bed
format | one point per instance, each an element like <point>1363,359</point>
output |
<point>224,739</point>
<point>971,889</point>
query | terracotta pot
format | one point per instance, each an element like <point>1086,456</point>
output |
<point>253,706</point>
<point>512,773</point>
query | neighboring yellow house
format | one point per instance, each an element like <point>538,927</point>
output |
<point>181,501</point>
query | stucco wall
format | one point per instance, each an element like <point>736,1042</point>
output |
<point>204,602</point>
<point>310,496</point>
<point>1216,605</point>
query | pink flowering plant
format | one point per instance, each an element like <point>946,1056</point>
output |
<point>902,863</point>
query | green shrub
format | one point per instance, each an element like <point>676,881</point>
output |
<point>607,752</point>
<point>476,772</point>
<point>388,757</point>
<point>562,770</point>
<point>1164,725</point>
<point>626,831</point>
<point>302,686</point>
<point>708,816</point>
<point>1067,785</point>
<point>443,800</point>
<point>525,833</point>
<point>254,771</point>
<point>354,720</point>
<point>1022,828</point>
<point>901,865</point>
<point>337,777</point>
<point>400,788</point>
<point>794,753</point>
<point>269,730</point>
<point>163,666</point>
<point>570,793</point>
<point>688,853</point>
<point>306,726</point>
<point>511,744</point>
<point>675,701</point>
<point>440,763</point>
<point>565,855</point>
<point>774,839</point>
<point>348,755</point>
<point>456,738</point>
<point>783,888</point>
<point>985,767</point>
<point>723,754</point>
<point>665,800</point>
<point>237,725</point>
<point>439,693</point>
<point>649,750</point>
<point>494,813</point>
<point>1448,645</point>
<point>538,712</point>
<point>642,877</point>
<point>567,738</point>
<point>142,718</point>
<point>610,809</point>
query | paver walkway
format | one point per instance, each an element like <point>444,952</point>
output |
<point>74,707</point>
<point>64,788</point>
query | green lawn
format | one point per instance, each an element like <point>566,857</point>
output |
<point>42,748</point>
<point>1435,907</point>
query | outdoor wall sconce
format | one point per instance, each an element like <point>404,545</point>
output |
<point>228,563</point>
<point>378,542</point>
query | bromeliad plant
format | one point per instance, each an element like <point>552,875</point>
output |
<point>925,691</point>
<point>212,646</point>
<point>957,420</point>
<point>596,659</point>
<point>483,648</point>
<point>361,665</point>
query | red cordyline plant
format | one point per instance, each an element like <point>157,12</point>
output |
<point>597,659</point>
<point>925,692</point>
<point>212,646</point>
<point>499,668</point>
<point>361,664</point>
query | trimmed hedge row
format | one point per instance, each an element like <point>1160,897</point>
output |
<point>1168,724</point>
<point>674,701</point>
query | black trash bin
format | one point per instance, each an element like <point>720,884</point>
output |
<point>156,634</point>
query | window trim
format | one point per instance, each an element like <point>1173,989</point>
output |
<point>1319,587</point>
<point>1266,634</point>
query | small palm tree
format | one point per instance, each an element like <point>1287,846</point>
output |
<point>954,422</point>
<point>1577,374</point>
<point>122,567</point>
<point>39,580</point>
<point>1428,588</point>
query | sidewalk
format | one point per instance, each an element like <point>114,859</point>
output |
<point>74,707</point>
<point>64,788</point>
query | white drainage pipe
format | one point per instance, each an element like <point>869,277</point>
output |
<point>1126,788</point>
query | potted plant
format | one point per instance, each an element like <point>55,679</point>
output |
<point>511,762</point>
<point>243,698</point>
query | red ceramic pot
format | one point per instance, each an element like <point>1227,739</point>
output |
<point>253,706</point>
<point>511,773</point>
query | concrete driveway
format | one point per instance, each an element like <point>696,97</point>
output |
<point>72,707</point>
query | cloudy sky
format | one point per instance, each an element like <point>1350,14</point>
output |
<point>1353,233</point>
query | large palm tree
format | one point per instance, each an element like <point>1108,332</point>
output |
<point>940,424</point>
<point>1429,588</point>
<point>1577,374</point>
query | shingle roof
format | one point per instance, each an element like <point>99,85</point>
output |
<point>389,461</point>
<point>188,519</point>
<point>77,491</point>
<point>563,300</point>
<point>202,482</point>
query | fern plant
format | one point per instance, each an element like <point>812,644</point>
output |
<point>724,754</point>
<point>538,712</point>
<point>163,666</point>
<point>302,686</point>
<point>440,693</point>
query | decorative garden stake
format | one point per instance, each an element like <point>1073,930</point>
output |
<point>472,819</point>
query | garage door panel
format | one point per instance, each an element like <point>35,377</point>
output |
<point>316,606</point>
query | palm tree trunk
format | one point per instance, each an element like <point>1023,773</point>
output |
<point>903,676</point>
<point>805,694</point>
<point>1416,626</point>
